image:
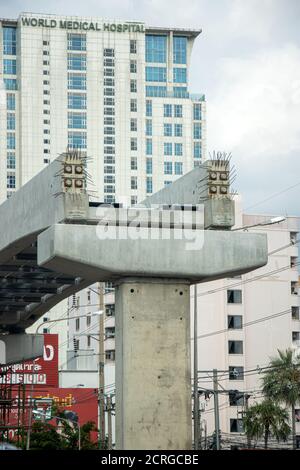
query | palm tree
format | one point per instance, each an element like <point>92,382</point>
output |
<point>266,419</point>
<point>282,382</point>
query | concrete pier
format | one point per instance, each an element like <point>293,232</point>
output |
<point>153,366</point>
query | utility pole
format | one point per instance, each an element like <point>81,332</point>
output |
<point>101,401</point>
<point>196,395</point>
<point>246,400</point>
<point>216,406</point>
<point>109,424</point>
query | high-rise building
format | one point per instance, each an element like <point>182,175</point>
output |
<point>116,90</point>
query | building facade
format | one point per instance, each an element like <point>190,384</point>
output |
<point>118,91</point>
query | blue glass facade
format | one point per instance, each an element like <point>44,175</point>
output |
<point>156,91</point>
<point>179,49</point>
<point>9,41</point>
<point>156,74</point>
<point>76,42</point>
<point>179,75</point>
<point>76,62</point>
<point>9,66</point>
<point>180,92</point>
<point>76,81</point>
<point>156,48</point>
<point>10,83</point>
<point>77,140</point>
<point>76,101</point>
<point>77,120</point>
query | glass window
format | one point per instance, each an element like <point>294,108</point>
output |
<point>236,425</point>
<point>77,81</point>
<point>9,41</point>
<point>178,130</point>
<point>109,188</point>
<point>197,112</point>
<point>109,199</point>
<point>295,313</point>
<point>11,181</point>
<point>10,66</point>
<point>133,125</point>
<point>149,146</point>
<point>109,101</point>
<point>236,398</point>
<point>149,166</point>
<point>11,140</point>
<point>158,91</point>
<point>133,200</point>
<point>149,185</point>
<point>234,322</point>
<point>168,110</point>
<point>179,49</point>
<point>109,92</point>
<point>10,83</point>
<point>179,75</point>
<point>178,150</point>
<point>166,183</point>
<point>11,121</point>
<point>109,130</point>
<point>109,111</point>
<point>148,108</point>
<point>133,67</point>
<point>76,62</point>
<point>109,121</point>
<point>236,373</point>
<point>109,82</point>
<point>133,86</point>
<point>156,74</point>
<point>156,48</point>
<point>235,347</point>
<point>11,101</point>
<point>76,42</point>
<point>133,163</point>
<point>133,143</point>
<point>11,160</point>
<point>132,47</point>
<point>108,62</point>
<point>109,72</point>
<point>133,105</point>
<point>77,120</point>
<point>77,100</point>
<point>178,168</point>
<point>234,296</point>
<point>109,169</point>
<point>197,150</point>
<point>148,127</point>
<point>109,140</point>
<point>178,110</point>
<point>133,182</point>
<point>168,168</point>
<point>168,130</point>
<point>168,148</point>
<point>180,92</point>
<point>77,140</point>
<point>197,130</point>
<point>108,52</point>
<point>110,179</point>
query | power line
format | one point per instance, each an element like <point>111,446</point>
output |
<point>273,195</point>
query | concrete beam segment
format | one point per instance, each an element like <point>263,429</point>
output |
<point>19,347</point>
<point>153,375</point>
<point>97,254</point>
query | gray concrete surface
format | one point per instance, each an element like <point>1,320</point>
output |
<point>153,376</point>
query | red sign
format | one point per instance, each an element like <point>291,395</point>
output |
<point>42,371</point>
<point>82,402</point>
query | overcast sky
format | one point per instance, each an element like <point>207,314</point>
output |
<point>247,62</point>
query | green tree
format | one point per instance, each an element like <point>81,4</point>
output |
<point>282,382</point>
<point>266,419</point>
<point>43,436</point>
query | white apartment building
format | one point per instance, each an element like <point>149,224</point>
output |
<point>242,322</point>
<point>116,90</point>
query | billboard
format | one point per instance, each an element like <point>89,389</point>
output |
<point>81,404</point>
<point>42,371</point>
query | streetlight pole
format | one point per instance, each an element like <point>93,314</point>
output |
<point>101,399</point>
<point>32,381</point>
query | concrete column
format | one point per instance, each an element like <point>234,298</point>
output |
<point>153,365</point>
